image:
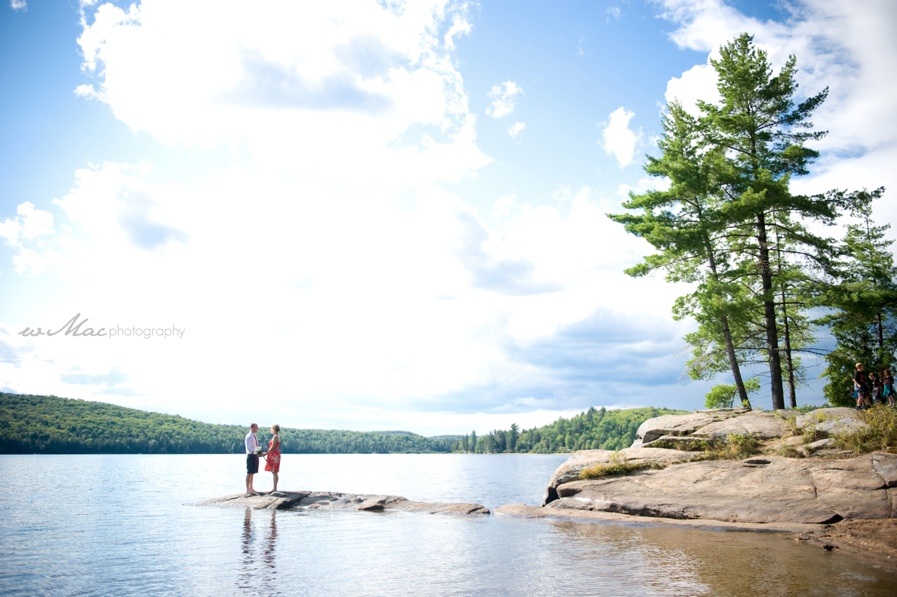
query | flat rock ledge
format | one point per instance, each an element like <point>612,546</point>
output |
<point>763,489</point>
<point>324,500</point>
<point>826,496</point>
<point>768,489</point>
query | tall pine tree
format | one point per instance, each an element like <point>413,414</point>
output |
<point>763,135</point>
<point>729,222</point>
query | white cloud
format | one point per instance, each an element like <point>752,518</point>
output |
<point>21,5</point>
<point>503,99</point>
<point>707,24</point>
<point>365,73</point>
<point>30,223</point>
<point>515,129</point>
<point>504,204</point>
<point>644,184</point>
<point>460,26</point>
<point>869,170</point>
<point>619,140</point>
<point>697,83</point>
<point>563,194</point>
<point>568,251</point>
<point>24,234</point>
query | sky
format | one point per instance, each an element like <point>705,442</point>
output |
<point>377,215</point>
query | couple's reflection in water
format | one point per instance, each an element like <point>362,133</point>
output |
<point>258,569</point>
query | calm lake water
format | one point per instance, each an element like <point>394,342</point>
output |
<point>126,525</point>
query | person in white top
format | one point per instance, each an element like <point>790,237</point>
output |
<point>252,457</point>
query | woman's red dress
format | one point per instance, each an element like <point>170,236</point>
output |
<point>273,460</point>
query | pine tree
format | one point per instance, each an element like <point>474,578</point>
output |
<point>863,299</point>
<point>763,135</point>
<point>730,224</point>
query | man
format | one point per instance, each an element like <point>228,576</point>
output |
<point>860,386</point>
<point>252,458</point>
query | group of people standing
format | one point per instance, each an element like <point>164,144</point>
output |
<point>871,388</point>
<point>254,452</point>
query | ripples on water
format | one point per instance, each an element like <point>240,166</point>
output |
<point>120,525</point>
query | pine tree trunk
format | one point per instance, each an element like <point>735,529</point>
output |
<point>727,335</point>
<point>769,311</point>
<point>789,362</point>
<point>733,364</point>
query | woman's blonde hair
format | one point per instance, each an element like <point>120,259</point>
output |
<point>276,428</point>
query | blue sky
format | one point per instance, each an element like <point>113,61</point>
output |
<point>376,215</point>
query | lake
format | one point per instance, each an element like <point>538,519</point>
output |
<point>126,525</point>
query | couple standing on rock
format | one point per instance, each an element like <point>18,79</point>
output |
<point>253,451</point>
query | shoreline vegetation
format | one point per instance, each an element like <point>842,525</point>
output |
<point>31,424</point>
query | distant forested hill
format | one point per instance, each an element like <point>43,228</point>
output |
<point>51,425</point>
<point>590,430</point>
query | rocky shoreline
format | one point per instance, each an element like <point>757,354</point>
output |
<point>822,495</point>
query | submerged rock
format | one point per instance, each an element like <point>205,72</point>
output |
<point>323,500</point>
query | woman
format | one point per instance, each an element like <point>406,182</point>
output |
<point>272,456</point>
<point>887,387</point>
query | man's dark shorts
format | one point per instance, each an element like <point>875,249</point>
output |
<point>252,464</point>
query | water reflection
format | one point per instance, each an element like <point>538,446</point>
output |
<point>680,560</point>
<point>270,540</point>
<point>258,569</point>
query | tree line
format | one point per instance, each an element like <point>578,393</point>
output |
<point>594,429</point>
<point>51,425</point>
<point>767,282</point>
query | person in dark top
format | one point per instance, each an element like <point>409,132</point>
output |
<point>860,387</point>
